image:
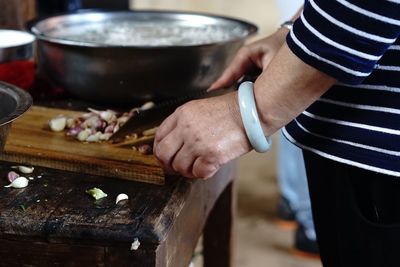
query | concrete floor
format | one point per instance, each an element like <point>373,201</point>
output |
<point>259,242</point>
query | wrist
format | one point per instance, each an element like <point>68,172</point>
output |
<point>268,118</point>
<point>288,25</point>
<point>284,29</point>
<point>250,118</point>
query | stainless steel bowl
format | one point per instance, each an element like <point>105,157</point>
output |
<point>15,45</point>
<point>125,72</point>
<point>13,103</point>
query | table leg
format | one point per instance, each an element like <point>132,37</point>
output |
<point>217,235</point>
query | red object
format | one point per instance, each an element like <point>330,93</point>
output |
<point>20,73</point>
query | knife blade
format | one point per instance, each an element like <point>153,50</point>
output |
<point>150,118</point>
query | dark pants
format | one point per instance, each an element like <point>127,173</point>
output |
<point>356,214</point>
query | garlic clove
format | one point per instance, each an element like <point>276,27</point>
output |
<point>25,169</point>
<point>147,105</point>
<point>96,193</point>
<point>19,182</point>
<point>110,128</point>
<point>74,131</point>
<point>108,115</point>
<point>105,136</point>
<point>135,244</point>
<point>121,197</point>
<point>71,123</point>
<point>11,176</point>
<point>145,149</point>
<point>93,138</point>
<point>58,124</point>
<point>83,135</point>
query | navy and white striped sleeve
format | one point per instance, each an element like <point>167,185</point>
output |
<point>345,38</point>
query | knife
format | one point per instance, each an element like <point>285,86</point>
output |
<point>146,119</point>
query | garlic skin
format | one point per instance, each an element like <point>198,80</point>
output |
<point>121,197</point>
<point>25,169</point>
<point>96,193</point>
<point>58,124</point>
<point>11,176</point>
<point>20,182</point>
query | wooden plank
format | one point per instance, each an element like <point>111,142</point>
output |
<point>31,142</point>
<point>189,214</point>
<point>218,232</point>
<point>14,14</point>
<point>25,212</point>
<point>167,220</point>
<point>19,253</point>
<point>57,209</point>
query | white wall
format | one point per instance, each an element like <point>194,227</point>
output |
<point>264,13</point>
<point>287,8</point>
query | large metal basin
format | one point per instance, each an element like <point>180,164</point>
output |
<point>13,103</point>
<point>79,59</point>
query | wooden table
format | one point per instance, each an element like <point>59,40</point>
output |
<point>53,222</point>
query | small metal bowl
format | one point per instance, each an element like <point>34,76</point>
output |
<point>15,45</point>
<point>13,103</point>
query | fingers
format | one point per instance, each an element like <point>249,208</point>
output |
<point>204,167</point>
<point>165,128</point>
<point>183,161</point>
<point>166,149</point>
<point>241,64</point>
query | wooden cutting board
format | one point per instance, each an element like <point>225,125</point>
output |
<point>31,142</point>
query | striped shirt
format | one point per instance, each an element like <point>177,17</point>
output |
<point>357,121</point>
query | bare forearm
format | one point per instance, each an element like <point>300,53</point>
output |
<point>286,88</point>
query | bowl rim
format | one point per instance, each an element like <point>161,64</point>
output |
<point>31,27</point>
<point>28,38</point>
<point>24,102</point>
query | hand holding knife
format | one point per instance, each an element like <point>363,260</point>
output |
<point>146,119</point>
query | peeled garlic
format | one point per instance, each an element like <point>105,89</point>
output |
<point>121,197</point>
<point>58,124</point>
<point>105,136</point>
<point>135,244</point>
<point>147,105</point>
<point>25,169</point>
<point>20,182</point>
<point>96,193</point>
<point>83,135</point>
<point>93,137</point>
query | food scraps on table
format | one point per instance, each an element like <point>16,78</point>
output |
<point>16,180</point>
<point>96,193</point>
<point>24,169</point>
<point>20,182</point>
<point>135,244</point>
<point>121,197</point>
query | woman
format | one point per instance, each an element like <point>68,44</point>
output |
<point>339,70</point>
